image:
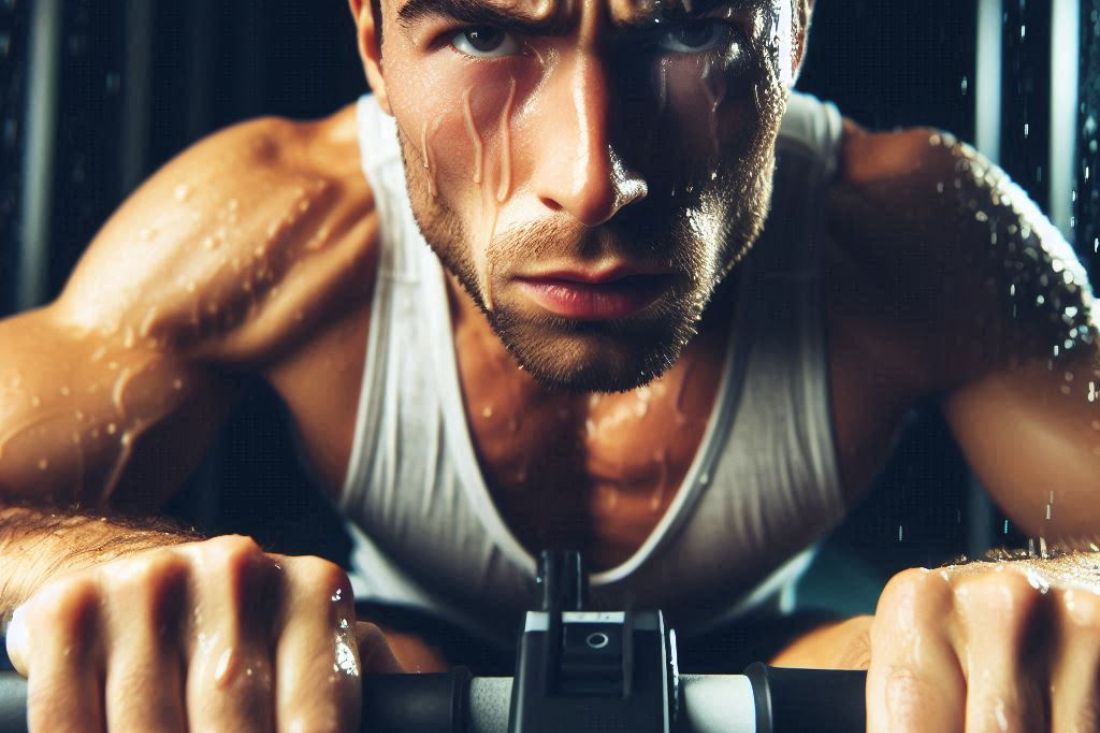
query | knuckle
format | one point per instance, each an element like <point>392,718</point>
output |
<point>152,576</point>
<point>321,576</point>
<point>231,557</point>
<point>1001,598</point>
<point>911,595</point>
<point>232,548</point>
<point>66,604</point>
<point>371,633</point>
<point>1081,608</point>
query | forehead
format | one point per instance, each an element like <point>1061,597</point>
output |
<point>562,14</point>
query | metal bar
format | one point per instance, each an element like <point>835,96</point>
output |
<point>988,122</point>
<point>989,78</point>
<point>136,92</point>
<point>1065,59</point>
<point>43,93</point>
<point>200,42</point>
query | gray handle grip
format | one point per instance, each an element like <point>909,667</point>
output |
<point>432,703</point>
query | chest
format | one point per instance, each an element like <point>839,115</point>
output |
<point>593,471</point>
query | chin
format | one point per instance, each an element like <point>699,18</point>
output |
<point>593,356</point>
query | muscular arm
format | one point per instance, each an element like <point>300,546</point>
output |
<point>224,263</point>
<point>982,303</point>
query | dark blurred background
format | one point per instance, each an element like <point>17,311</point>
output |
<point>96,94</point>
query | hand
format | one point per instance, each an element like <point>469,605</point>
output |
<point>213,635</point>
<point>1009,647</point>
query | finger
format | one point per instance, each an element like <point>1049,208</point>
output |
<point>229,673</point>
<point>65,687</point>
<point>1075,693</point>
<point>18,642</point>
<point>914,684</point>
<point>144,681</point>
<point>318,679</point>
<point>375,651</point>
<point>996,611</point>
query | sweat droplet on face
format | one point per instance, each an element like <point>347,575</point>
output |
<point>505,188</point>
<point>475,136</point>
<point>714,88</point>
<point>427,133</point>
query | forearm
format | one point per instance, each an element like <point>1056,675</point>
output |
<point>38,544</point>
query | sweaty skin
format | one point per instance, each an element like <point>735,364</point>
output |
<point>254,253</point>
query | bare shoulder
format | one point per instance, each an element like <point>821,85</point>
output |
<point>939,259</point>
<point>237,247</point>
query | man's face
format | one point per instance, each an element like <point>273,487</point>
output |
<point>589,170</point>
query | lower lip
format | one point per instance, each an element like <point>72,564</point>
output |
<point>607,301</point>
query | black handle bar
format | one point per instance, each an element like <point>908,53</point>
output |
<point>763,700</point>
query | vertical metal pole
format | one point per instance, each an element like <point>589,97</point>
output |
<point>200,41</point>
<point>1065,28</point>
<point>43,92</point>
<point>137,86</point>
<point>989,80</point>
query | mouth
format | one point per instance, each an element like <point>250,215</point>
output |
<point>595,296</point>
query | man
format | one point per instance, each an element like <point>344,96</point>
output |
<point>605,347</point>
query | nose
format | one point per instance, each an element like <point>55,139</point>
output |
<point>579,171</point>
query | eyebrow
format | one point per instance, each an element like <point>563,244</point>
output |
<point>478,12</point>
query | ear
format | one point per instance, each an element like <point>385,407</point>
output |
<point>804,10</point>
<point>367,31</point>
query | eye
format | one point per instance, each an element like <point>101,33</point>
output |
<point>695,37</point>
<point>485,42</point>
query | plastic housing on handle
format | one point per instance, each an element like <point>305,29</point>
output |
<point>792,700</point>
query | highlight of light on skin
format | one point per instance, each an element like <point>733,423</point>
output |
<point>584,125</point>
<point>475,137</point>
<point>786,50</point>
<point>506,146</point>
<point>426,157</point>
<point>488,265</point>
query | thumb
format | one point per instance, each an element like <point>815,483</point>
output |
<point>375,655</point>
<point>18,641</point>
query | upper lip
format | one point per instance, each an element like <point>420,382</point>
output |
<point>600,276</point>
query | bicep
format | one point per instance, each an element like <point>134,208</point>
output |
<point>90,417</point>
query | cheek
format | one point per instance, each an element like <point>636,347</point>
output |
<point>713,108</point>
<point>460,122</point>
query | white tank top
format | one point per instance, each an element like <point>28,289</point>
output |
<point>761,491</point>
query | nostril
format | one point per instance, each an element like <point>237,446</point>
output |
<point>551,204</point>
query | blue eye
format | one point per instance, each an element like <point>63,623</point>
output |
<point>485,42</point>
<point>694,37</point>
